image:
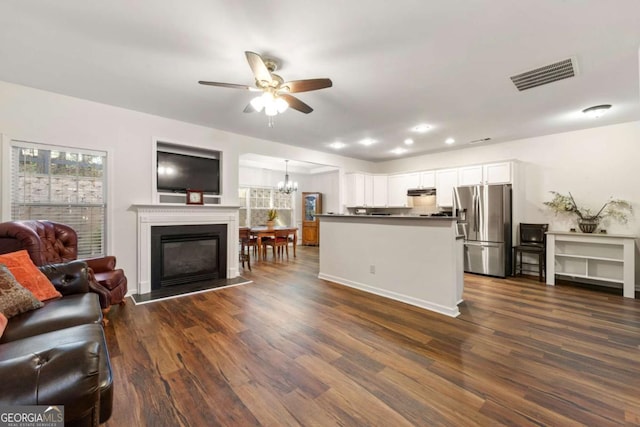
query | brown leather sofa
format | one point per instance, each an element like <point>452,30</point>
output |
<point>50,242</point>
<point>57,354</point>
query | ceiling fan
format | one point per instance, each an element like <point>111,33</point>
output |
<point>276,93</point>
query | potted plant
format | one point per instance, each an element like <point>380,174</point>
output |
<point>272,214</point>
<point>616,209</point>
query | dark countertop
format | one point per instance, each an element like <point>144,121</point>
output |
<point>408,217</point>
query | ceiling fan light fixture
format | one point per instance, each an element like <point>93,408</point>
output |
<point>257,103</point>
<point>281,105</point>
<point>270,110</point>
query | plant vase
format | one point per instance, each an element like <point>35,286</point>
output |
<point>270,225</point>
<point>588,224</point>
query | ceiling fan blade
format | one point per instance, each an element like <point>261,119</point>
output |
<point>230,85</point>
<point>296,86</point>
<point>296,104</point>
<point>249,109</point>
<point>260,70</point>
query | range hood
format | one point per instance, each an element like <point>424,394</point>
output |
<point>418,192</point>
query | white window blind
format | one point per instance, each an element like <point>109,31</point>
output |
<point>64,185</point>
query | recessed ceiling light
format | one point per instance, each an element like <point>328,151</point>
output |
<point>421,128</point>
<point>337,145</point>
<point>367,141</point>
<point>596,111</point>
<point>399,150</point>
<point>449,141</point>
<point>408,141</point>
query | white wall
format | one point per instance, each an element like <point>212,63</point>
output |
<point>592,164</point>
<point>38,116</point>
<point>328,184</point>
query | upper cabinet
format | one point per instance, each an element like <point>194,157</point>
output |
<point>391,191</point>
<point>428,179</point>
<point>397,190</point>
<point>470,175</point>
<point>380,190</point>
<point>491,173</point>
<point>366,190</point>
<point>446,181</point>
<point>498,173</point>
<point>354,183</point>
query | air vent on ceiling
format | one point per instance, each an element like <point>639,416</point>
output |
<point>543,75</point>
<point>478,141</point>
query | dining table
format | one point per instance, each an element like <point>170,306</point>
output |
<point>263,231</point>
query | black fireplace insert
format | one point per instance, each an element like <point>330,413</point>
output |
<point>183,254</point>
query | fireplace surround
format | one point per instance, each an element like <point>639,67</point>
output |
<point>155,215</point>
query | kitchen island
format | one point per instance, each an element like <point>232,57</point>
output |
<point>413,259</point>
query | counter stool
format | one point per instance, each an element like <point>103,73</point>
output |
<point>533,240</point>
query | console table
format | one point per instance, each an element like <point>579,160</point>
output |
<point>596,257</point>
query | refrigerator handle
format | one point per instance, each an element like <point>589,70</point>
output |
<point>476,211</point>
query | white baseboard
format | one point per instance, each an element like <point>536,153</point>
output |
<point>447,311</point>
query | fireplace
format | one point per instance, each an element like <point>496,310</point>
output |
<point>183,254</point>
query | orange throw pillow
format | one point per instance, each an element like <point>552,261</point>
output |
<point>28,275</point>
<point>3,323</point>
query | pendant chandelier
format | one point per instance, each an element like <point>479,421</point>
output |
<point>286,186</point>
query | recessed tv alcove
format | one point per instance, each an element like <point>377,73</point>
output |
<point>180,168</point>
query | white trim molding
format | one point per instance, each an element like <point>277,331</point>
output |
<point>159,215</point>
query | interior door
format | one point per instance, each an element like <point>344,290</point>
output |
<point>311,206</point>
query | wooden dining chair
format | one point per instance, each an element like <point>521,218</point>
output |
<point>245,245</point>
<point>279,242</point>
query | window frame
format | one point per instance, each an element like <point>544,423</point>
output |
<point>7,159</point>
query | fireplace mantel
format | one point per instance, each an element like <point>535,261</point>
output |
<point>167,214</point>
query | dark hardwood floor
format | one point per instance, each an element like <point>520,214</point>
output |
<point>290,349</point>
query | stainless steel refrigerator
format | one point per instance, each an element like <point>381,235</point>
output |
<point>484,217</point>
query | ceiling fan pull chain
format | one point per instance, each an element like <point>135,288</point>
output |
<point>270,121</point>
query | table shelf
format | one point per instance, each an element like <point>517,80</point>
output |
<point>593,258</point>
<point>585,276</point>
<point>590,257</point>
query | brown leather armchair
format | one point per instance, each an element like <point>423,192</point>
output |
<point>49,242</point>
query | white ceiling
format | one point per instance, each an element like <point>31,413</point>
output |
<point>393,64</point>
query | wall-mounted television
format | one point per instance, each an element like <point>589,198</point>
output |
<point>179,172</point>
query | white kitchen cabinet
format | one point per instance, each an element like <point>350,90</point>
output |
<point>497,173</point>
<point>428,179</point>
<point>490,173</point>
<point>397,190</point>
<point>368,190</point>
<point>470,175</point>
<point>380,190</point>
<point>412,180</point>
<point>446,181</point>
<point>355,195</point>
<point>361,189</point>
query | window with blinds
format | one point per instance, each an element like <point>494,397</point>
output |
<point>64,185</point>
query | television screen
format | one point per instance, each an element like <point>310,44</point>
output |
<point>179,172</point>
